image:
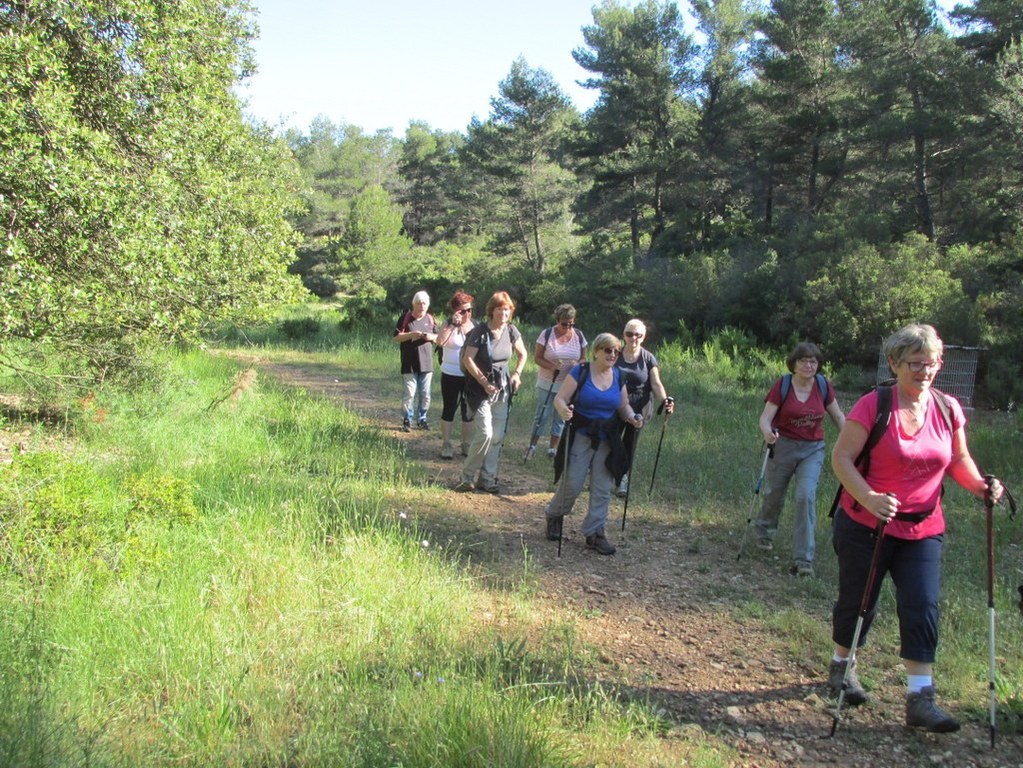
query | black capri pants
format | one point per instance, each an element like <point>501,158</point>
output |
<point>452,392</point>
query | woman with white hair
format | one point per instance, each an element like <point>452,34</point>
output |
<point>642,376</point>
<point>416,331</point>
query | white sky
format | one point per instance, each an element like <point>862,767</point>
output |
<point>382,64</point>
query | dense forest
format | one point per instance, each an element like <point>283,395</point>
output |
<point>807,168</point>
<point>819,169</point>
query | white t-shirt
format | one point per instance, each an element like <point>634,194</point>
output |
<point>563,353</point>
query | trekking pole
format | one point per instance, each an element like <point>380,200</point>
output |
<point>537,425</point>
<point>507,421</point>
<point>989,507</point>
<point>864,607</point>
<point>768,453</point>
<point>628,488</point>
<point>564,476</point>
<point>660,442</point>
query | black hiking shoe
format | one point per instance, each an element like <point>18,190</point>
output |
<point>854,693</point>
<point>923,712</point>
<point>424,424</point>
<point>554,526</point>
<point>599,542</point>
<point>406,425</point>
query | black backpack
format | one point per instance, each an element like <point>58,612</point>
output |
<point>880,425</point>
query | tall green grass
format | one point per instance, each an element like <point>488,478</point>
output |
<point>214,570</point>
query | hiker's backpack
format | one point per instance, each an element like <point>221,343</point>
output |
<point>484,348</point>
<point>884,412</point>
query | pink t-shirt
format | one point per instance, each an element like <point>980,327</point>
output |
<point>796,420</point>
<point>561,353</point>
<point>910,467</point>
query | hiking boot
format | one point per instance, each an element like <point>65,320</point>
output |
<point>765,544</point>
<point>489,488</point>
<point>423,424</point>
<point>854,693</point>
<point>530,452</point>
<point>465,449</point>
<point>465,486</point>
<point>923,712</point>
<point>406,425</point>
<point>554,526</point>
<point>599,542</point>
<point>802,570</point>
<point>552,452</point>
<point>446,451</point>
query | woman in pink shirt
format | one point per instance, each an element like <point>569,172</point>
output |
<point>902,491</point>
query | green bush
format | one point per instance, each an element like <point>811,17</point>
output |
<point>300,328</point>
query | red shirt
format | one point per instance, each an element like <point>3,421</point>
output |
<point>796,420</point>
<point>910,467</point>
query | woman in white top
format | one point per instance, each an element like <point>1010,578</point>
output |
<point>452,380</point>
<point>557,349</point>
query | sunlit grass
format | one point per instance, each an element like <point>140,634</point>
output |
<point>254,591</point>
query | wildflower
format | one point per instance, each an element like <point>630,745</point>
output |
<point>425,543</point>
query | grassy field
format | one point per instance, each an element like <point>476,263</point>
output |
<point>215,570</point>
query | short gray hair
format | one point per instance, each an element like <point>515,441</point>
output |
<point>421,296</point>
<point>910,339</point>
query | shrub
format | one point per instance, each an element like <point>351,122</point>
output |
<point>300,328</point>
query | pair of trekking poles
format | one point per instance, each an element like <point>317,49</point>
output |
<point>868,591</point>
<point>632,455</point>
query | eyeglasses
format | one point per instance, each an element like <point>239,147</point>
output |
<point>634,334</point>
<point>811,361</point>
<point>612,352</point>
<point>567,324</point>
<point>916,366</point>
<point>466,309</point>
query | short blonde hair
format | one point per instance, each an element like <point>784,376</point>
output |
<point>910,339</point>
<point>606,341</point>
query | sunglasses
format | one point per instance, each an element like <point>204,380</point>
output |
<point>569,324</point>
<point>610,351</point>
<point>634,334</point>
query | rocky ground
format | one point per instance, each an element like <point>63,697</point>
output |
<point>658,614</point>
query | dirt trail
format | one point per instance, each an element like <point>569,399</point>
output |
<point>658,615</point>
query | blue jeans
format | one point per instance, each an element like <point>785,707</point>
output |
<point>545,411</point>
<point>915,568</point>
<point>801,459</point>
<point>416,385</point>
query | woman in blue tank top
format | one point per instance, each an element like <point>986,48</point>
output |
<point>594,402</point>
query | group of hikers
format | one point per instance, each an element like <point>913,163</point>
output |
<point>894,449</point>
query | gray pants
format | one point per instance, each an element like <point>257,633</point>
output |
<point>487,438</point>
<point>583,460</point>
<point>803,460</point>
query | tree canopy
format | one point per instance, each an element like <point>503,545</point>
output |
<point>138,205</point>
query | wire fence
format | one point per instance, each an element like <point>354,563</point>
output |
<point>956,377</point>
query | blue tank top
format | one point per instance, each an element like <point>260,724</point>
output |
<point>594,404</point>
